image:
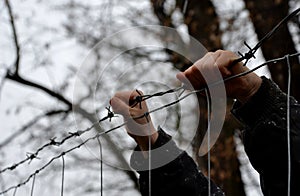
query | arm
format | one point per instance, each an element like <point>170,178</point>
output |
<point>172,171</point>
<point>261,107</point>
<point>265,137</point>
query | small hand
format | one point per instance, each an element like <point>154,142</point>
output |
<point>139,125</point>
<point>205,70</point>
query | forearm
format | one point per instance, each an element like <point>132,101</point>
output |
<point>145,142</point>
<point>265,136</point>
<point>173,171</point>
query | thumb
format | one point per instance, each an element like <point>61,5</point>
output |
<point>119,106</point>
<point>185,81</point>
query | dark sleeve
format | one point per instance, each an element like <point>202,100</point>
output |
<point>173,171</point>
<point>265,137</point>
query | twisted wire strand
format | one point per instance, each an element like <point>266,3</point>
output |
<point>250,54</point>
<point>52,142</point>
<point>145,97</point>
<point>146,114</point>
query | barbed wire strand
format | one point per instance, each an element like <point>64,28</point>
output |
<point>45,166</point>
<point>60,155</point>
<point>141,98</point>
<point>288,124</point>
<point>111,115</point>
<point>215,84</point>
<point>250,54</point>
<point>101,166</point>
<point>52,142</point>
<point>246,56</point>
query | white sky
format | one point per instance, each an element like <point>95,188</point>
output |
<point>31,15</point>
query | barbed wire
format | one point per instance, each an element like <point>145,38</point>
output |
<point>251,52</point>
<point>111,115</point>
<point>52,142</point>
<point>138,99</point>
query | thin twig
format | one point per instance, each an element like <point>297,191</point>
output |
<point>15,36</point>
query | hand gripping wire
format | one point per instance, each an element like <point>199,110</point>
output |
<point>141,98</point>
<point>14,166</point>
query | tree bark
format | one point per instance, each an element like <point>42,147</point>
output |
<point>265,15</point>
<point>203,24</point>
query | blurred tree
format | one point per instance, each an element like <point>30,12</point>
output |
<point>89,23</point>
<point>62,110</point>
<point>264,19</point>
<point>202,23</point>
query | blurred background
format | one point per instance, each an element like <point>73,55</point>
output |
<point>55,79</point>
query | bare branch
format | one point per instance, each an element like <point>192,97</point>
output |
<point>21,80</point>
<point>2,80</point>
<point>15,36</point>
<point>30,124</point>
<point>78,109</point>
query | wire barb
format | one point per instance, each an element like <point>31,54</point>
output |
<point>110,114</point>
<point>146,114</point>
<point>250,54</point>
<point>138,100</point>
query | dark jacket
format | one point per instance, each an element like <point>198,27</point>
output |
<point>265,140</point>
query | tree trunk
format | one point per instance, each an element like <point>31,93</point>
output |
<point>203,24</point>
<point>265,15</point>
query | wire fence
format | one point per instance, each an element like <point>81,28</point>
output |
<point>137,101</point>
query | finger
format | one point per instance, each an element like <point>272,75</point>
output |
<point>128,96</point>
<point>214,63</point>
<point>182,78</point>
<point>195,76</point>
<point>225,64</point>
<point>125,96</point>
<point>119,106</point>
